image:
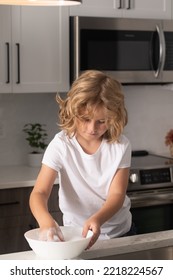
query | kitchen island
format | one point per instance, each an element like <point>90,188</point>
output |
<point>118,248</point>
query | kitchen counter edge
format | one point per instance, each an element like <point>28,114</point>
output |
<point>18,176</point>
<point>103,248</point>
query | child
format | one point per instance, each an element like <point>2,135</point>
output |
<point>91,157</point>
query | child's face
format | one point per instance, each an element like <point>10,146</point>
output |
<point>92,128</point>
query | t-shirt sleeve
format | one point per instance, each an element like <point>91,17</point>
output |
<point>52,156</point>
<point>126,157</point>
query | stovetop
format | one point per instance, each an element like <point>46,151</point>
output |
<point>149,161</point>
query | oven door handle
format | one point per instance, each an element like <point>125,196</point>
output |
<point>151,200</point>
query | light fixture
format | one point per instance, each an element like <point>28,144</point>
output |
<point>40,2</point>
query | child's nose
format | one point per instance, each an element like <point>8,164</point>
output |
<point>93,126</point>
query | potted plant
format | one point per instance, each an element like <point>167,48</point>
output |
<point>36,137</point>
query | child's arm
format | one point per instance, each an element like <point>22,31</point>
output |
<point>39,200</point>
<point>111,206</point>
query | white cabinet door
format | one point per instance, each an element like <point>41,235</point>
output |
<point>99,8</point>
<point>5,49</point>
<point>42,36</point>
<point>156,9</point>
<point>39,56</point>
<point>160,9</point>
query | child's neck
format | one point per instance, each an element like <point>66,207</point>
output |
<point>89,147</point>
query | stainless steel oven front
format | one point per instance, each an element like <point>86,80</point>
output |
<point>151,192</point>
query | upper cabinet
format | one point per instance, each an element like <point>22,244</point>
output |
<point>96,8</point>
<point>34,49</point>
<point>153,9</point>
<point>160,9</point>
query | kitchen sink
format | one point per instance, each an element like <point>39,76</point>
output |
<point>165,253</point>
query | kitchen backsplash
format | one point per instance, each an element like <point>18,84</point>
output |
<point>17,110</point>
<point>150,113</point>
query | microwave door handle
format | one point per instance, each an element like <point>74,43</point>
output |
<point>162,51</point>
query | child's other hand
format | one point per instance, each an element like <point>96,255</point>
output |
<point>93,225</point>
<point>51,234</point>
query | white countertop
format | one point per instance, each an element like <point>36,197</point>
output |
<point>18,176</point>
<point>103,248</point>
<point>130,244</point>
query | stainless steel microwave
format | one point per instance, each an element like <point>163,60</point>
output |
<point>131,50</point>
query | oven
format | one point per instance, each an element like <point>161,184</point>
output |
<point>151,192</point>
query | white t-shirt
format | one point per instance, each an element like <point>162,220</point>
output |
<point>85,180</point>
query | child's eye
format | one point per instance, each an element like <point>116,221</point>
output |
<point>101,121</point>
<point>86,120</point>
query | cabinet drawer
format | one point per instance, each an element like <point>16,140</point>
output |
<point>16,217</point>
<point>12,231</point>
<point>14,202</point>
<point>10,223</point>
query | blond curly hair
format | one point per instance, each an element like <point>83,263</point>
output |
<point>92,89</point>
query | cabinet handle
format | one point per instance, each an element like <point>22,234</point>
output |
<point>9,203</point>
<point>8,62</point>
<point>18,63</point>
<point>118,4</point>
<point>128,4</point>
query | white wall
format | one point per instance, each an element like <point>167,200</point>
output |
<point>17,110</point>
<point>150,110</point>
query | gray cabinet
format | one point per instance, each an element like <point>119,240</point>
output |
<point>33,49</point>
<point>159,9</point>
<point>16,217</point>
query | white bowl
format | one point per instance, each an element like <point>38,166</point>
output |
<point>72,247</point>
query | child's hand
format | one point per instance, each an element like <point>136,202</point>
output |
<point>51,234</point>
<point>93,225</point>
